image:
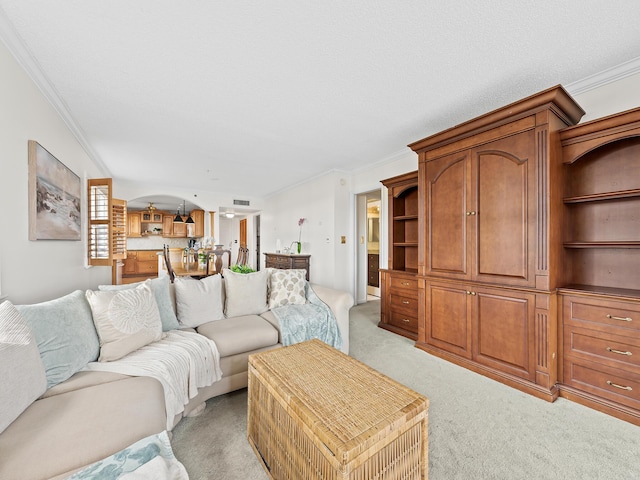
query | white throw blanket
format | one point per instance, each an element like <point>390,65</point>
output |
<point>182,361</point>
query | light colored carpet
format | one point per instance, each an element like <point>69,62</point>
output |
<point>478,428</point>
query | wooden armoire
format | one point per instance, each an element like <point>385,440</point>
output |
<point>490,226</point>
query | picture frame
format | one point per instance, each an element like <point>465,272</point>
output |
<point>55,198</point>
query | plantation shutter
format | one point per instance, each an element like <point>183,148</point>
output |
<point>107,222</point>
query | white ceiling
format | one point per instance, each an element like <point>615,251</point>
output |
<point>249,97</point>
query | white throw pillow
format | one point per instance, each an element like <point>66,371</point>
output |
<point>246,293</point>
<point>125,320</point>
<point>21,368</point>
<point>287,287</point>
<point>198,301</point>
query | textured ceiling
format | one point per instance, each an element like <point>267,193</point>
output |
<point>249,97</point>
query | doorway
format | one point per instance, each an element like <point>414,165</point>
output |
<point>369,206</point>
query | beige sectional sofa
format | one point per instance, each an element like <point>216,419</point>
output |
<point>77,417</point>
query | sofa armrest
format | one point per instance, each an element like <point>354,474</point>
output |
<point>340,303</point>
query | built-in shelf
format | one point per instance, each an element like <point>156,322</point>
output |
<point>603,196</point>
<point>624,244</point>
<point>600,290</point>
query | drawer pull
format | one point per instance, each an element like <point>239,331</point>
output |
<point>406,302</point>
<point>621,387</point>
<point>622,319</point>
<point>406,320</point>
<point>619,352</point>
<point>406,284</point>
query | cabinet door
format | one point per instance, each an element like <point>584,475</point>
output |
<point>198,226</point>
<point>167,225</point>
<point>129,267</point>
<point>504,210</point>
<point>448,202</point>
<point>134,227</point>
<point>503,330</point>
<point>448,318</point>
<point>179,230</point>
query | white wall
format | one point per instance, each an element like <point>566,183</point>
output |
<point>34,271</point>
<point>39,270</point>
<point>324,203</point>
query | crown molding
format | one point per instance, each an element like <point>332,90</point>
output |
<point>21,53</point>
<point>605,77</point>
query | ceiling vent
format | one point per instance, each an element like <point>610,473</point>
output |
<point>244,203</point>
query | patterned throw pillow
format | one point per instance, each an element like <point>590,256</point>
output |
<point>160,288</point>
<point>21,369</point>
<point>287,287</point>
<point>126,320</point>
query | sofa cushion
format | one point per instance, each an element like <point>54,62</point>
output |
<point>246,293</point>
<point>287,287</point>
<point>161,289</point>
<point>21,369</point>
<point>240,334</point>
<point>125,320</point>
<point>198,301</point>
<point>66,432</point>
<point>67,339</point>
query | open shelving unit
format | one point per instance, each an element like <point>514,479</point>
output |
<point>602,202</point>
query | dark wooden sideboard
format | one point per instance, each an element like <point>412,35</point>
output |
<point>287,261</point>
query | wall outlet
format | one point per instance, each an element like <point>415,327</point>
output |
<point>343,239</point>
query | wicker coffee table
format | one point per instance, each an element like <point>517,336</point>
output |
<point>316,413</point>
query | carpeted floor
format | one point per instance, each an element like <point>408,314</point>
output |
<point>478,428</point>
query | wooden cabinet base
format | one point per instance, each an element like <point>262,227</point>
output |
<point>398,330</point>
<point>539,391</point>
<point>602,405</point>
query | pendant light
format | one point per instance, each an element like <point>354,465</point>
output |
<point>179,219</point>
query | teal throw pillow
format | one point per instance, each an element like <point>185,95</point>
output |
<point>67,339</point>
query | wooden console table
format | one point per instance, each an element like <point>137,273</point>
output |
<point>287,261</point>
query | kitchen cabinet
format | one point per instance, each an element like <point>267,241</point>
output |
<point>171,229</point>
<point>134,226</point>
<point>198,225</point>
<point>141,263</point>
<point>489,228</point>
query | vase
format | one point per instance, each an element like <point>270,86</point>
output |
<point>299,247</point>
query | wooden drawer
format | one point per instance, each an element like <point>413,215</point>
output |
<point>300,263</point>
<point>403,282</point>
<point>606,348</point>
<point>606,382</point>
<point>601,314</point>
<point>407,305</point>
<point>147,267</point>
<point>148,255</point>
<point>404,321</point>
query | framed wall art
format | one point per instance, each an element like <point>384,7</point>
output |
<point>54,197</point>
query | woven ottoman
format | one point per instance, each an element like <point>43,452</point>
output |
<point>316,413</point>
